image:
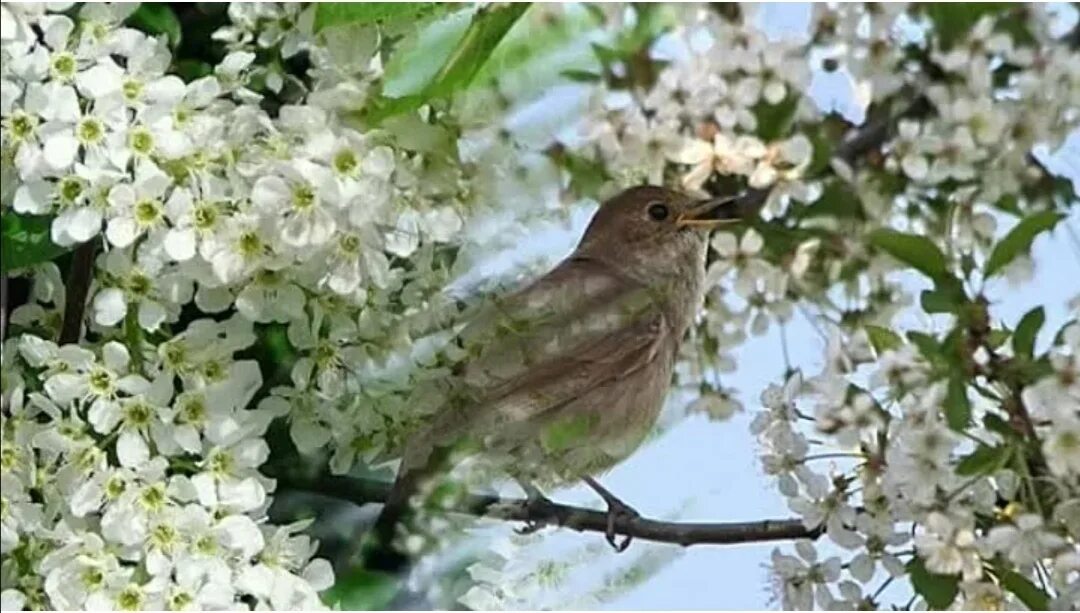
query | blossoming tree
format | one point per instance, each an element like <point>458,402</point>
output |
<point>228,236</point>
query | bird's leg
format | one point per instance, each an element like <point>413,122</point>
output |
<point>534,498</point>
<point>615,508</point>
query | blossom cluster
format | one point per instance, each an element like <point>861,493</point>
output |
<point>132,454</point>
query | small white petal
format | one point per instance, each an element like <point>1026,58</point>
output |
<point>109,307</point>
<point>131,449</point>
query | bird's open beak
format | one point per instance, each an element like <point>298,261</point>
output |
<point>711,213</point>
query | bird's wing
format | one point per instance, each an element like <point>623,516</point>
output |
<point>579,327</point>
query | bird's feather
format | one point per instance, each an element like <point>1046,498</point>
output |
<point>580,335</point>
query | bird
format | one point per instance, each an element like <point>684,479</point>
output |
<point>564,378</point>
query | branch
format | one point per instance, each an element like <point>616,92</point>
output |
<point>547,513</point>
<point>78,286</point>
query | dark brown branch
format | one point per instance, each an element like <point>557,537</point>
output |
<point>77,287</point>
<point>547,513</point>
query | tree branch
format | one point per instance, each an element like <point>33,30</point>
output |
<point>78,286</point>
<point>548,513</point>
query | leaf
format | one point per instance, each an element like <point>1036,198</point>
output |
<point>361,590</point>
<point>927,344</point>
<point>953,21</point>
<point>939,591</point>
<point>882,339</point>
<point>916,251</point>
<point>1059,338</point>
<point>580,76</point>
<point>837,200</point>
<point>1033,598</point>
<point>938,301</point>
<point>774,120</point>
<point>26,241</point>
<point>1019,240</point>
<point>1023,340</point>
<point>957,404</point>
<point>983,461</point>
<point>189,70</point>
<point>997,338</point>
<point>489,25</point>
<point>157,18</point>
<point>329,14</point>
<point>995,423</point>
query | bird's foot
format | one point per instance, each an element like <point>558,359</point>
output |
<point>535,500</point>
<point>616,509</point>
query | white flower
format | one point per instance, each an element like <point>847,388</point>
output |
<point>302,199</point>
<point>725,155</point>
<point>137,208</point>
<point>949,549</point>
<point>1025,542</point>
<point>742,255</point>
<point>798,578</point>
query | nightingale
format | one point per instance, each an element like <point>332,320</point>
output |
<point>564,378</point>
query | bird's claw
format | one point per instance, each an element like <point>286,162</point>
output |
<point>535,500</point>
<point>616,509</point>
<point>529,527</point>
<point>614,512</point>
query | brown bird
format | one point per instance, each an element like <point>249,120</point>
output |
<point>566,377</point>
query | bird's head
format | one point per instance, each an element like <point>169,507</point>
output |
<point>655,228</point>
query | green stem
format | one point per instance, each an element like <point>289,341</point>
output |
<point>133,336</point>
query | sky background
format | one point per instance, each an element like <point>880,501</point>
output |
<point>699,470</point>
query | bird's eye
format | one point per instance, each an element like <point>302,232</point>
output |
<point>658,211</point>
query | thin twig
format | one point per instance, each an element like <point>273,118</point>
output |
<point>543,512</point>
<point>77,287</point>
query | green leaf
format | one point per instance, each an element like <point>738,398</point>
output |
<point>952,21</point>
<point>1059,338</point>
<point>837,200</point>
<point>939,591</point>
<point>580,76</point>
<point>362,590</point>
<point>418,56</point>
<point>939,301</point>
<point>489,25</point>
<point>774,120</point>
<point>983,461</point>
<point>189,70</point>
<point>1023,340</point>
<point>927,344</point>
<point>157,18</point>
<point>329,14</point>
<point>957,404</point>
<point>26,241</point>
<point>916,251</point>
<point>882,339</point>
<point>997,338</point>
<point>1019,240</point>
<point>1033,598</point>
<point>995,423</point>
